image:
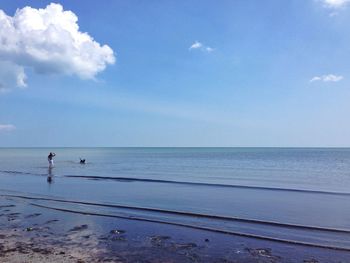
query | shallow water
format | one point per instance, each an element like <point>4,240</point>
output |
<point>286,194</point>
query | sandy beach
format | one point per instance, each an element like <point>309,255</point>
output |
<point>33,234</point>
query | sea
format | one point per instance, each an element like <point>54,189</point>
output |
<point>288,195</point>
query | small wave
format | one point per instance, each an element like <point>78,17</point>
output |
<point>211,229</point>
<point>146,180</point>
<point>185,213</point>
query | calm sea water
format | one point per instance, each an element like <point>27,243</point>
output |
<point>299,195</point>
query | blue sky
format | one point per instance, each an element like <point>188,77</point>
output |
<point>259,73</point>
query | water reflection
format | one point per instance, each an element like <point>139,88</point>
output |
<point>49,175</point>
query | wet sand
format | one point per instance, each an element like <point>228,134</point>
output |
<point>34,234</point>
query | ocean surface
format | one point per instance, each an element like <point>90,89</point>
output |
<point>290,195</point>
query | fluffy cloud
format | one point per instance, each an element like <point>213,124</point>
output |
<point>48,41</point>
<point>200,46</point>
<point>327,78</point>
<point>7,127</point>
<point>335,3</point>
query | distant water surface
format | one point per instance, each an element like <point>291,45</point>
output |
<point>288,194</point>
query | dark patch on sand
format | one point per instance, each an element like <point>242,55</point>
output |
<point>159,240</point>
<point>263,253</point>
<point>32,215</point>
<point>117,232</point>
<point>25,248</point>
<point>12,216</point>
<point>184,245</point>
<point>28,229</point>
<point>51,221</point>
<point>115,235</point>
<point>79,228</point>
<point>6,206</point>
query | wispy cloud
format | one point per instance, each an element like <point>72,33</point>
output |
<point>48,41</point>
<point>327,78</point>
<point>7,127</point>
<point>200,46</point>
<point>335,4</point>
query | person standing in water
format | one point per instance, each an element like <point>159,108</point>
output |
<point>50,159</point>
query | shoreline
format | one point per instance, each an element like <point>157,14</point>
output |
<point>34,234</point>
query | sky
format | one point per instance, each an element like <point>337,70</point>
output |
<point>164,73</point>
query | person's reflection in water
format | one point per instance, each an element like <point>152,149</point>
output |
<point>49,175</point>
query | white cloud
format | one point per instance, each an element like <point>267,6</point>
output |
<point>196,45</point>
<point>48,41</point>
<point>201,46</point>
<point>327,78</point>
<point>335,4</point>
<point>7,127</point>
